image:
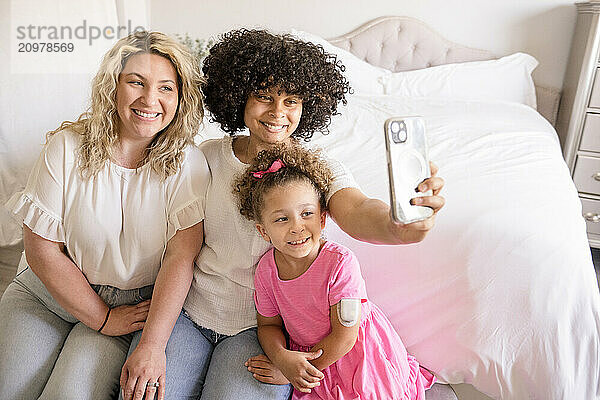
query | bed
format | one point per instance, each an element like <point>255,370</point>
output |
<point>502,293</point>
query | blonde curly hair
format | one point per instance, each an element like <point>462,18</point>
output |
<point>300,164</point>
<point>98,126</point>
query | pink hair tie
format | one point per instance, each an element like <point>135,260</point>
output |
<point>276,166</point>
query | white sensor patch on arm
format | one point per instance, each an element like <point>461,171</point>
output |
<point>348,311</point>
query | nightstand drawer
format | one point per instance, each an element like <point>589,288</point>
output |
<point>590,138</point>
<point>595,98</point>
<point>591,213</point>
<point>587,174</point>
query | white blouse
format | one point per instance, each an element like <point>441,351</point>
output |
<point>115,225</point>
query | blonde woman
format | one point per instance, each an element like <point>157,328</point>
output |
<point>112,208</point>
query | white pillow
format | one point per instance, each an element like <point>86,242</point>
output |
<point>364,78</point>
<point>507,78</point>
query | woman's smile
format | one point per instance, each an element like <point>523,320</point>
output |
<point>146,115</point>
<point>274,128</point>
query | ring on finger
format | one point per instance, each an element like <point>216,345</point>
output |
<point>153,384</point>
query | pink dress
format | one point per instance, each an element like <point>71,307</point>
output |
<point>378,366</point>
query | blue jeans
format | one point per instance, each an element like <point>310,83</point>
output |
<point>45,353</point>
<point>202,364</point>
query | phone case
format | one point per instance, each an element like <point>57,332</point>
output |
<point>408,166</point>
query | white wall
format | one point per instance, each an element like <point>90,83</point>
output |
<point>542,28</point>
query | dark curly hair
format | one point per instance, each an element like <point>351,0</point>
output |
<point>300,164</point>
<point>245,61</point>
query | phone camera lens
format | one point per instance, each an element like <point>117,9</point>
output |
<point>398,129</point>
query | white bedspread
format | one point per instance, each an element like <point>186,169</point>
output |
<point>502,293</point>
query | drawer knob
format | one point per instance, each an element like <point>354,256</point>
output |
<point>591,217</point>
<point>596,176</point>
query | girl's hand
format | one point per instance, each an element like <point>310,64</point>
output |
<point>126,319</point>
<point>296,367</point>
<point>144,366</point>
<point>263,370</point>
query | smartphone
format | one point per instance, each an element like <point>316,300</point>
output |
<point>408,166</point>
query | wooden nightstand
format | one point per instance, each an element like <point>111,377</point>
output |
<point>579,114</point>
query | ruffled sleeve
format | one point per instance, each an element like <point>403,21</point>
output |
<point>189,215</point>
<point>40,204</point>
<point>38,220</point>
<point>188,192</point>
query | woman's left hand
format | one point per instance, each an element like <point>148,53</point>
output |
<point>144,366</point>
<point>435,184</point>
<point>263,370</point>
<point>418,230</point>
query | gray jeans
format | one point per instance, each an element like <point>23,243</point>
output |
<point>45,353</point>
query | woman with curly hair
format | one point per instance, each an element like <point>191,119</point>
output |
<point>281,90</point>
<point>112,208</point>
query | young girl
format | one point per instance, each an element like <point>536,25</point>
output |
<point>315,289</point>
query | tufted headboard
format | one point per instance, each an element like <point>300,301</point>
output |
<point>404,44</point>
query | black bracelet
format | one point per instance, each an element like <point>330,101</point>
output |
<point>105,320</point>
